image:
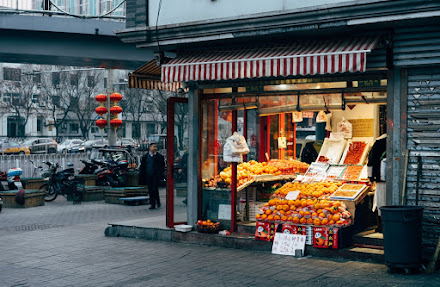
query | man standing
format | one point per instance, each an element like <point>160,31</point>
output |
<point>151,172</point>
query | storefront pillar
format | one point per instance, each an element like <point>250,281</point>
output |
<point>396,134</point>
<point>194,177</point>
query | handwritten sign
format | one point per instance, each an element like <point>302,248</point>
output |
<point>292,195</point>
<point>287,244</point>
<point>362,127</point>
<point>224,211</point>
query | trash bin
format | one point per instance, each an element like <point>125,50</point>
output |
<point>402,236</point>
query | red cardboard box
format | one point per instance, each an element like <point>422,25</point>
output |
<point>294,229</point>
<point>265,231</point>
<point>324,237</point>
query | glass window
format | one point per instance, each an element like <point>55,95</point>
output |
<point>39,124</point>
<point>11,74</point>
<point>74,128</point>
<point>56,78</point>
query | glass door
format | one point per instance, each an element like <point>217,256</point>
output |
<point>177,161</point>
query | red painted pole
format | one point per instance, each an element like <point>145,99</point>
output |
<point>234,181</point>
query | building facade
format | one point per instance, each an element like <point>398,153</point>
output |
<point>408,56</point>
<point>85,7</point>
<point>48,101</point>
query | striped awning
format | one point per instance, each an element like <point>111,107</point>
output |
<point>148,77</point>
<point>296,58</point>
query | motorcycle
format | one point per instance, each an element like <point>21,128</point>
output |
<point>111,173</point>
<point>60,182</point>
<point>89,167</point>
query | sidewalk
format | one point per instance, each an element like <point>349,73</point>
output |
<point>81,255</point>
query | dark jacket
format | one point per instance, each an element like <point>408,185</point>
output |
<point>158,164</point>
<point>377,153</point>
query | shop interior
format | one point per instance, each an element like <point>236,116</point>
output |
<point>307,134</point>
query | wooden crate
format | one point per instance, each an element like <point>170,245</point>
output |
<point>132,178</point>
<point>112,195</point>
<point>89,179</point>
<point>92,193</point>
<point>32,198</point>
<point>33,183</point>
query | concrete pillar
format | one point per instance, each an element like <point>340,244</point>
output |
<point>193,152</point>
<point>396,134</point>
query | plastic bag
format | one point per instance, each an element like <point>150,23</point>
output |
<point>321,117</point>
<point>297,117</point>
<point>346,128</point>
<point>234,148</point>
<point>237,144</point>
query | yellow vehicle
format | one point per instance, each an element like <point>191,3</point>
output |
<point>13,148</point>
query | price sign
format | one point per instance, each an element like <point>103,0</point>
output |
<point>224,211</point>
<point>292,195</point>
<point>287,244</point>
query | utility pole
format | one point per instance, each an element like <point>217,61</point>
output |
<point>111,131</point>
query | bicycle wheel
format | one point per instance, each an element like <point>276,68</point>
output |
<point>50,191</point>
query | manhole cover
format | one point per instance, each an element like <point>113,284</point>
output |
<point>30,227</point>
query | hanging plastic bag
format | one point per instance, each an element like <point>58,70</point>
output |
<point>297,117</point>
<point>238,144</point>
<point>346,128</point>
<point>234,148</point>
<point>321,117</point>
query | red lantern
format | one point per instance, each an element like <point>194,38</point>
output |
<point>116,123</point>
<point>115,110</point>
<point>101,98</point>
<point>101,110</point>
<point>116,97</point>
<point>101,123</point>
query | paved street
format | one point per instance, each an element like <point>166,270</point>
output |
<point>62,244</point>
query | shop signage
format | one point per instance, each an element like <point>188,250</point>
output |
<point>288,244</point>
<point>308,115</point>
<point>369,83</point>
<point>362,127</point>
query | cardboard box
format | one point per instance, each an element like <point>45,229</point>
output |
<point>324,237</point>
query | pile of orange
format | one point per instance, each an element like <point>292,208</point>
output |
<point>306,211</point>
<point>309,190</point>
<point>289,166</point>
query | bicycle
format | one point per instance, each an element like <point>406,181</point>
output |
<point>36,170</point>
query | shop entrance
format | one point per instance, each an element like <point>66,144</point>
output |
<point>177,161</point>
<point>288,125</point>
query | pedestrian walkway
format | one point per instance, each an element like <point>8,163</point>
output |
<point>81,255</point>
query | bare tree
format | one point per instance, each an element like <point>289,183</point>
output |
<point>57,100</point>
<point>135,108</point>
<point>80,87</point>
<point>21,91</point>
<point>159,100</point>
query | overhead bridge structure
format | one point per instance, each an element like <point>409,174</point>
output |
<point>67,42</point>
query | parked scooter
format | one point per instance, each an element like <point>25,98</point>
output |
<point>111,173</point>
<point>13,178</point>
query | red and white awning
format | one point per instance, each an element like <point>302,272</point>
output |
<point>297,58</point>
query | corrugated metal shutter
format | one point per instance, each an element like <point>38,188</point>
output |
<point>417,46</point>
<point>424,142</point>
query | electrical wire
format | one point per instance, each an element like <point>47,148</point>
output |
<point>157,21</point>
<point>89,17</point>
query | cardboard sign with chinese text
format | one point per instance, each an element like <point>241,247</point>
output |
<point>287,244</point>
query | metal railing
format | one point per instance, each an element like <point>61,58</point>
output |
<point>24,161</point>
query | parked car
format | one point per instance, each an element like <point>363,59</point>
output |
<point>91,144</point>
<point>13,148</point>
<point>42,145</point>
<point>127,143</point>
<point>69,145</point>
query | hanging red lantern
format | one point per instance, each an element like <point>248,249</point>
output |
<point>116,123</point>
<point>101,110</point>
<point>101,98</point>
<point>115,110</point>
<point>116,97</point>
<point>101,123</point>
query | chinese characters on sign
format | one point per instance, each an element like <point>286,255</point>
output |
<point>287,244</point>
